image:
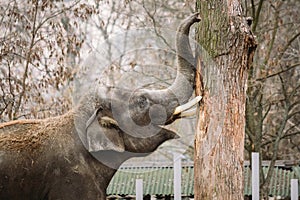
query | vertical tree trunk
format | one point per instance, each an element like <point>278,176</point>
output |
<point>219,141</point>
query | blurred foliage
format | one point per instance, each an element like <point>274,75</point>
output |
<point>38,40</point>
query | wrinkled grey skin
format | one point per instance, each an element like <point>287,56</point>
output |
<point>74,156</point>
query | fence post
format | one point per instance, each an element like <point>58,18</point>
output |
<point>139,189</point>
<point>255,175</point>
<point>294,189</point>
<point>177,176</point>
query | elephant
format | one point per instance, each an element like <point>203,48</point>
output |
<point>75,155</point>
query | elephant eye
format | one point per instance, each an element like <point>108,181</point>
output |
<point>142,102</point>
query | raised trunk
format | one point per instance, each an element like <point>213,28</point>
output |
<point>183,85</point>
<point>158,106</point>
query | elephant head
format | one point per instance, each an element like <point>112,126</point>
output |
<point>138,113</point>
<point>161,107</point>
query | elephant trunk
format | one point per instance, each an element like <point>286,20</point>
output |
<point>183,85</point>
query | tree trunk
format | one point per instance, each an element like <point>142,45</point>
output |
<point>219,142</point>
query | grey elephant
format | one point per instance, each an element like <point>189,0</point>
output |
<point>74,156</point>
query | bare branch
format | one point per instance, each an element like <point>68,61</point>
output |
<point>257,14</point>
<point>279,72</point>
<point>27,60</point>
<point>288,44</point>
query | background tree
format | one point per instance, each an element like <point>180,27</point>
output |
<point>273,96</point>
<point>219,143</point>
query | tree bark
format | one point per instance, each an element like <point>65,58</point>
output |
<point>219,142</point>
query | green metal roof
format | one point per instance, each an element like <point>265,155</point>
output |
<point>159,180</point>
<point>280,181</point>
<point>156,180</point>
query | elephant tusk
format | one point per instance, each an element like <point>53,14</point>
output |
<point>188,113</point>
<point>186,106</point>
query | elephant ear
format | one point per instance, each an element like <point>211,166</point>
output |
<point>103,134</point>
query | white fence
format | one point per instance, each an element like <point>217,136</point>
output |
<point>255,180</point>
